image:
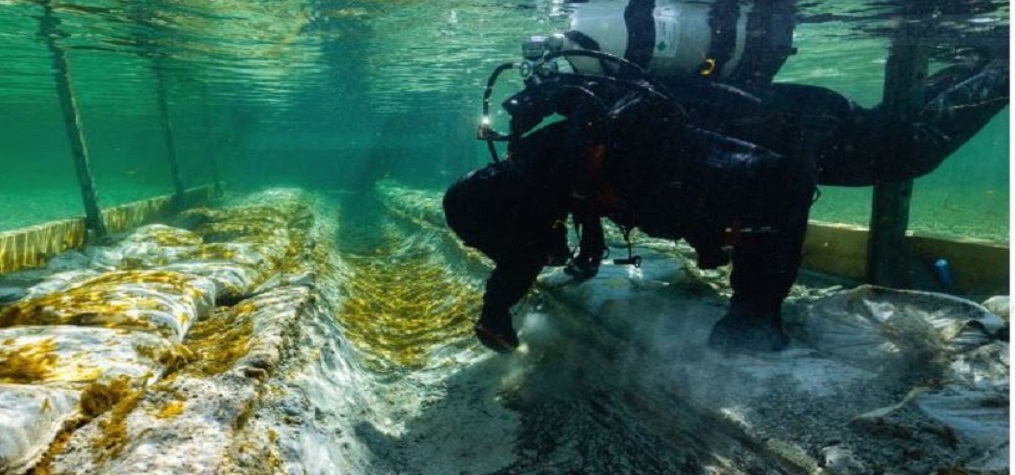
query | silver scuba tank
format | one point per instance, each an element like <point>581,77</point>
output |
<point>733,40</point>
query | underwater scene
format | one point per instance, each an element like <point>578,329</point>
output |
<point>504,237</point>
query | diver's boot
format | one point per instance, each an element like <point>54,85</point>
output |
<point>496,333</point>
<point>748,328</point>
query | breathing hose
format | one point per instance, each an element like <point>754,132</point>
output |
<point>485,132</point>
<point>654,88</point>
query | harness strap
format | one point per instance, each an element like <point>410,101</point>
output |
<point>641,31</point>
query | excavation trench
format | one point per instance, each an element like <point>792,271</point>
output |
<point>291,332</point>
<point>565,403</point>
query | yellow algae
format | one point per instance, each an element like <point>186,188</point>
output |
<point>172,237</point>
<point>118,398</point>
<point>220,340</point>
<point>213,251</point>
<point>171,358</point>
<point>401,310</point>
<point>114,429</point>
<point>99,397</point>
<point>29,363</point>
<point>139,276</point>
<point>113,300</point>
<point>170,410</point>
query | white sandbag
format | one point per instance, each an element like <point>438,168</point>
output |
<point>71,356</point>
<point>60,281</point>
<point>999,305</point>
<point>30,416</point>
<point>156,301</point>
<point>163,235</point>
<point>232,280</point>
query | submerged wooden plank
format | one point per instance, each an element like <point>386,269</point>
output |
<point>836,249</point>
<point>978,267</point>
<point>35,245</point>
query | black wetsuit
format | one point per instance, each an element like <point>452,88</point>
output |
<point>724,171</point>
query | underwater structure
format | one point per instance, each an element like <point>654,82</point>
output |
<point>308,311</point>
<point>245,337</point>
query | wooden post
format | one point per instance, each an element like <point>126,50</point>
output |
<point>167,134</point>
<point>141,14</point>
<point>48,29</point>
<point>212,151</point>
<point>905,72</point>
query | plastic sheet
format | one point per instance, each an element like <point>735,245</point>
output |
<point>873,325</point>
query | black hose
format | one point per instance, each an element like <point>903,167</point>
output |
<point>631,85</point>
<point>660,90</point>
<point>657,89</point>
<point>625,63</point>
<point>485,130</point>
<point>600,107</point>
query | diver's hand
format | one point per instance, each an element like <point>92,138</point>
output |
<point>582,268</point>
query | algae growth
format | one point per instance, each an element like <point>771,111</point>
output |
<point>220,340</point>
<point>401,310</point>
<point>23,365</point>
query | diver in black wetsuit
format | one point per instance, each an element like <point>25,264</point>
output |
<point>731,170</point>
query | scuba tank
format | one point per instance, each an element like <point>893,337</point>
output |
<point>731,40</point>
<point>646,46</point>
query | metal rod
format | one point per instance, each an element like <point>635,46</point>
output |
<point>49,30</point>
<point>888,262</point>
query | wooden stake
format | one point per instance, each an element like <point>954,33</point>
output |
<point>48,29</point>
<point>887,259</point>
<point>167,134</point>
<point>212,151</point>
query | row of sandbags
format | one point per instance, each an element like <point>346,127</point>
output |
<point>96,327</point>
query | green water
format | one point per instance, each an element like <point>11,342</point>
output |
<point>338,94</point>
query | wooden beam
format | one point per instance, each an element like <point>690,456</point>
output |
<point>49,30</point>
<point>979,267</point>
<point>887,259</point>
<point>161,97</point>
